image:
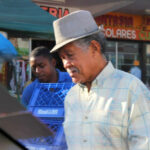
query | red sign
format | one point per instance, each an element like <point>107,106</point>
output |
<point>116,25</point>
<point>57,12</point>
<point>124,26</point>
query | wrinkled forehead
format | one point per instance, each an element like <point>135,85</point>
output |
<point>71,47</point>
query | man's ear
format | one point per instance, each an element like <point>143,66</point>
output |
<point>96,46</point>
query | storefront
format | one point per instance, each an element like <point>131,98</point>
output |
<point>128,40</point>
<point>22,21</point>
<point>15,71</point>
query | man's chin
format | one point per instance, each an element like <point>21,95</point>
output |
<point>75,80</point>
<point>42,81</point>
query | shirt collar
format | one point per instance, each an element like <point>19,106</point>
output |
<point>60,77</point>
<point>102,76</point>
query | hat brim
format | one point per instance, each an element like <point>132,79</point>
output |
<point>60,45</point>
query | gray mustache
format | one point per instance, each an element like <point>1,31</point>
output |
<point>73,69</point>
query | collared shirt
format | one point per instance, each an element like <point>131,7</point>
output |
<point>136,71</point>
<point>114,115</point>
<point>28,91</point>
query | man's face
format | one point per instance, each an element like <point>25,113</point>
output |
<point>42,68</point>
<point>77,62</point>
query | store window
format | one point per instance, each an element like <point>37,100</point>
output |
<point>148,65</point>
<point>122,54</point>
<point>110,52</point>
<point>127,53</point>
<point>20,72</point>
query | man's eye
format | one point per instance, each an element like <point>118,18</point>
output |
<point>70,55</point>
<point>41,66</point>
<point>66,56</point>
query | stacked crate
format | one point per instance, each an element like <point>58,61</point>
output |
<point>47,103</point>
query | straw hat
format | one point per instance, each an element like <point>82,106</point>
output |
<point>72,27</point>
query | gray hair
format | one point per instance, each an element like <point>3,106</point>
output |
<point>86,41</point>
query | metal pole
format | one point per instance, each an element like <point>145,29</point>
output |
<point>116,55</point>
<point>30,49</point>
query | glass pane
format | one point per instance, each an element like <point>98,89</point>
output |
<point>110,52</point>
<point>127,53</point>
<point>148,65</point>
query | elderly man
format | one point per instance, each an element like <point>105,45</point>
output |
<point>107,109</point>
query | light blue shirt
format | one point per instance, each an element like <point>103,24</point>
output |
<point>113,115</point>
<point>136,72</point>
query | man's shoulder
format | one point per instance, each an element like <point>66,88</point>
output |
<point>135,68</point>
<point>122,75</point>
<point>128,80</point>
<point>31,85</point>
<point>27,92</point>
<point>73,91</point>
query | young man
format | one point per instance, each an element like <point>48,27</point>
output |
<point>43,67</point>
<point>107,109</point>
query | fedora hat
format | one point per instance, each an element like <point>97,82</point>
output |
<point>72,27</point>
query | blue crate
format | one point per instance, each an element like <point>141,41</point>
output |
<point>50,94</point>
<point>47,103</point>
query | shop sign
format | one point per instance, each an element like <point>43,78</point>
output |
<point>56,11</point>
<point>120,33</point>
<point>123,26</point>
<point>115,25</point>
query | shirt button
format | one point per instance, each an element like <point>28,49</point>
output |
<point>84,141</point>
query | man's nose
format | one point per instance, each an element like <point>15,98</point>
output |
<point>66,63</point>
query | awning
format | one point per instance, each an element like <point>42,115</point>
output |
<point>26,19</point>
<point>96,7</point>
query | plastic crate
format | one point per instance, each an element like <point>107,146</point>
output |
<point>47,103</point>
